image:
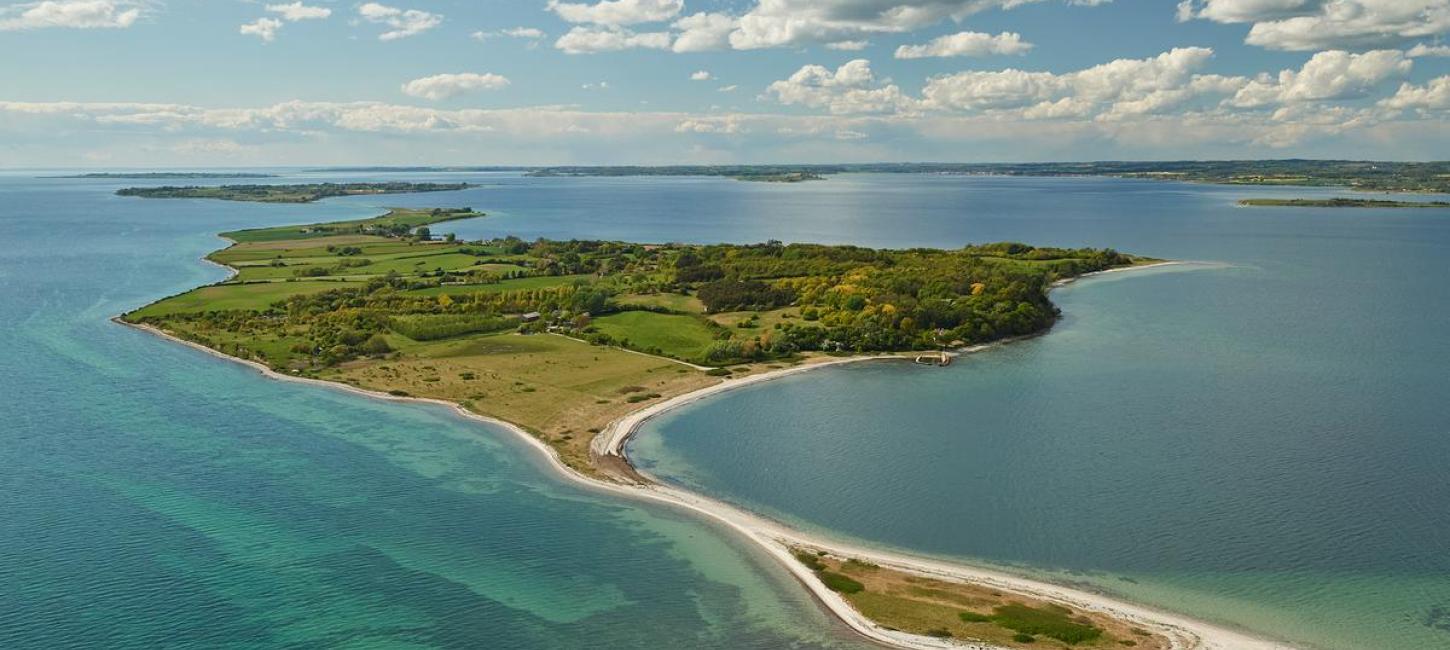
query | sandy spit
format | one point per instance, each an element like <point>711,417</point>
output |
<point>777,539</point>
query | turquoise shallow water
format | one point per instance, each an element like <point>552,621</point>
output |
<point>1261,442</point>
<point>153,496</point>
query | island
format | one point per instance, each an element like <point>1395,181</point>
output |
<point>786,177</point>
<point>304,193</point>
<point>169,175</point>
<point>573,344</point>
<point>1341,203</point>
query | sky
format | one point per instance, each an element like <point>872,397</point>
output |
<point>236,83</point>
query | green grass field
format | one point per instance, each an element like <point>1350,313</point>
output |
<point>676,335</point>
<point>399,217</point>
<point>670,301</point>
<point>535,282</point>
<point>221,297</point>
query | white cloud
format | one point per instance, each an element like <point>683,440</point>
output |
<point>402,23</point>
<point>527,33</point>
<point>524,32</point>
<point>1306,25</point>
<point>603,85</point>
<point>444,86</point>
<point>328,132</point>
<point>297,11</point>
<point>617,12</point>
<point>780,23</point>
<point>1434,95</point>
<point>966,44</point>
<point>851,88</point>
<point>725,125</point>
<point>727,89</point>
<point>1332,74</point>
<point>1118,88</point>
<point>849,46</point>
<point>263,28</point>
<point>591,40</point>
<point>701,75</point>
<point>703,32</point>
<point>1424,49</point>
<point>73,14</point>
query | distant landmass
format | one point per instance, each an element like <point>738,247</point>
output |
<point>1340,203</point>
<point>285,193</point>
<point>168,175</point>
<point>1369,176</point>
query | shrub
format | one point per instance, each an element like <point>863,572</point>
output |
<point>718,372</point>
<point>809,560</point>
<point>839,583</point>
<point>973,617</point>
<point>1023,638</point>
<point>940,633</point>
<point>1049,621</point>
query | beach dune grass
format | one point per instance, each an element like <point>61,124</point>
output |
<point>930,607</point>
<point>555,387</point>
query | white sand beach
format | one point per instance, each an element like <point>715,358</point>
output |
<point>777,539</point>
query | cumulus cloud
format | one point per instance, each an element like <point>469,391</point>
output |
<point>851,88</point>
<point>266,28</point>
<point>1434,95</point>
<point>72,14</point>
<point>1332,74</point>
<point>1424,49</point>
<point>401,23</point>
<point>593,39</point>
<point>263,28</point>
<point>1118,88</point>
<point>703,32</point>
<point>1306,25</point>
<point>297,11</point>
<point>617,12</point>
<point>726,125</point>
<point>780,23</point>
<point>444,86</point>
<point>289,130</point>
<point>701,75</point>
<point>966,44</point>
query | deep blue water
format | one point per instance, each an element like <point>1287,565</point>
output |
<point>1261,440</point>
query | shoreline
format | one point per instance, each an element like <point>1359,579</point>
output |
<point>777,539</point>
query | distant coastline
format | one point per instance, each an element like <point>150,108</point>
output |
<point>167,175</point>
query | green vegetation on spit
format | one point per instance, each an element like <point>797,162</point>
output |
<point>381,303</point>
<point>305,193</point>
<point>1341,203</point>
<point>900,600</point>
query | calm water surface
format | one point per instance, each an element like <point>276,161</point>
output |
<point>1261,440</point>
<point>153,496</point>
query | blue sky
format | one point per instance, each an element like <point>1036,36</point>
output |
<point>100,83</point>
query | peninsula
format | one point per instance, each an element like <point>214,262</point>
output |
<point>303,193</point>
<point>574,344</point>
